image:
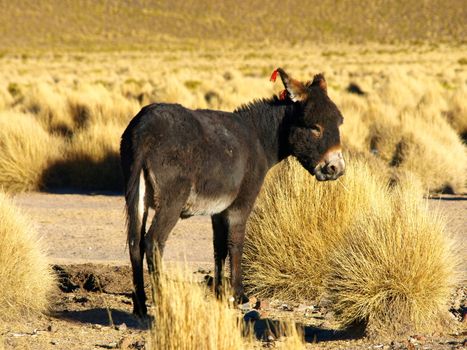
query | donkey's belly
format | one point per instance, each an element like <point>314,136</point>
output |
<point>198,204</point>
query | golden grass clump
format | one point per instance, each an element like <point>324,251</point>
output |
<point>26,151</point>
<point>25,276</point>
<point>296,222</point>
<point>374,249</point>
<point>393,269</point>
<point>188,317</point>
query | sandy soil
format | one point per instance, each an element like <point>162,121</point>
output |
<point>86,241</point>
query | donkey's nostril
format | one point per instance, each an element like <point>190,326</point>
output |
<point>332,169</point>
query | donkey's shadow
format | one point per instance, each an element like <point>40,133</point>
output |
<point>262,328</point>
<point>265,328</point>
<point>103,317</point>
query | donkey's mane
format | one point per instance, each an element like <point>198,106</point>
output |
<point>264,104</point>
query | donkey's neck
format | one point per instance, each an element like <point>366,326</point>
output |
<point>271,120</point>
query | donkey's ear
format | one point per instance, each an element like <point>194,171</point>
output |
<point>319,80</point>
<point>296,90</point>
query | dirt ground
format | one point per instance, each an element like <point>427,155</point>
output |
<point>92,308</point>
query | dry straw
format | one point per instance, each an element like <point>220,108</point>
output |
<point>24,271</point>
<point>188,317</point>
<point>26,152</point>
<point>410,117</point>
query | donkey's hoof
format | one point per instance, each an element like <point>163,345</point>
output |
<point>242,299</point>
<point>140,312</point>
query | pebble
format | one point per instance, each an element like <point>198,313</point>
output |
<point>121,327</point>
<point>112,345</point>
<point>125,343</point>
<point>51,328</point>
<point>244,307</point>
<point>286,307</point>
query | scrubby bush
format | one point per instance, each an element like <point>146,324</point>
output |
<point>393,269</point>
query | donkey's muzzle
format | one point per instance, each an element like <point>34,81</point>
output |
<point>330,167</point>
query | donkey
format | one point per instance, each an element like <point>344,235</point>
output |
<point>184,162</point>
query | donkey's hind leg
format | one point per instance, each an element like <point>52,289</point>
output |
<point>137,255</point>
<point>220,228</point>
<point>163,222</point>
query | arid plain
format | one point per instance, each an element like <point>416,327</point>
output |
<point>67,91</point>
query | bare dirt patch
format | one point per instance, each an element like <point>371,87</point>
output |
<point>91,308</point>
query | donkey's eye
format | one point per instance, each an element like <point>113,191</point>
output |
<point>317,131</point>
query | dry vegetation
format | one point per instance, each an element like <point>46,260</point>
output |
<point>411,116</point>
<point>365,242</point>
<point>374,250</point>
<point>187,316</point>
<point>24,271</point>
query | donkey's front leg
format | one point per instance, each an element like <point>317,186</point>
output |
<point>236,239</point>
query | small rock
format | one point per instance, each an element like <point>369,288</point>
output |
<point>80,299</point>
<point>51,328</point>
<point>112,345</point>
<point>125,343</point>
<point>121,327</point>
<point>203,271</point>
<point>54,342</point>
<point>96,326</point>
<point>419,337</point>
<point>138,345</point>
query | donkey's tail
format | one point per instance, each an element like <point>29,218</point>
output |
<point>132,162</point>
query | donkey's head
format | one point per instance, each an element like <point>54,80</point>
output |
<point>314,131</point>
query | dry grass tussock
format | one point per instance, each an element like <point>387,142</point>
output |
<point>26,151</point>
<point>187,316</point>
<point>393,268</point>
<point>24,270</point>
<point>375,250</point>
<point>308,218</point>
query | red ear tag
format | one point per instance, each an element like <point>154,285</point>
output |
<point>283,95</point>
<point>274,75</point>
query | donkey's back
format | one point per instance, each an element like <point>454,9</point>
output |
<point>175,149</point>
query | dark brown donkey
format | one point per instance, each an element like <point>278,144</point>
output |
<point>184,162</point>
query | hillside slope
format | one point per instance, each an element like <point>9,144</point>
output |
<point>105,24</point>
